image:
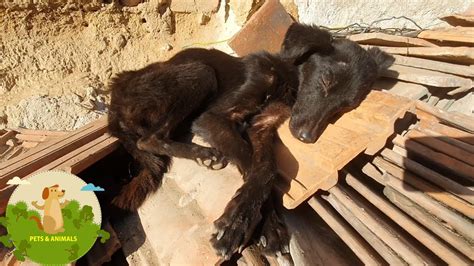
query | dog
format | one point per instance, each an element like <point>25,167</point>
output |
<point>53,222</point>
<point>236,105</point>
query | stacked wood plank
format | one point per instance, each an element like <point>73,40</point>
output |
<point>413,203</point>
<point>438,61</point>
<point>30,151</point>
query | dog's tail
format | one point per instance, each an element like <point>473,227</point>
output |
<point>38,222</point>
<point>152,169</point>
<point>381,58</point>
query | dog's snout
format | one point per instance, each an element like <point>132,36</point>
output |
<point>63,190</point>
<point>304,136</point>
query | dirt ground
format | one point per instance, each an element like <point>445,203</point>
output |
<point>55,62</point>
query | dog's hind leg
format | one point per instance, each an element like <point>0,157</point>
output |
<point>209,157</point>
<point>152,168</point>
<point>243,213</point>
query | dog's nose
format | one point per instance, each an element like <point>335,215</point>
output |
<point>63,190</point>
<point>305,136</point>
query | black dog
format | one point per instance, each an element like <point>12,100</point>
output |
<point>235,104</point>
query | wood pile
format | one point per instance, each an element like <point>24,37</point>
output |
<point>413,202</point>
<point>436,67</point>
<point>26,152</point>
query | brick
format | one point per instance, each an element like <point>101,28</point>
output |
<point>265,30</point>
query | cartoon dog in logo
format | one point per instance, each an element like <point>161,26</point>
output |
<point>53,218</point>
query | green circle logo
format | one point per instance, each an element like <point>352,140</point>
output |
<point>52,218</point>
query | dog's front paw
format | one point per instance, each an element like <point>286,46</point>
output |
<point>236,226</point>
<point>131,196</point>
<point>275,240</point>
<point>211,158</point>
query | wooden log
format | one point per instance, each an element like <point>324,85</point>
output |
<point>38,157</point>
<point>457,55</point>
<point>427,77</point>
<point>430,175</point>
<point>421,216</point>
<point>444,251</point>
<point>385,251</point>
<point>463,35</point>
<point>442,160</point>
<point>429,189</point>
<point>376,38</point>
<point>457,222</point>
<point>458,120</point>
<point>355,242</point>
<point>460,70</point>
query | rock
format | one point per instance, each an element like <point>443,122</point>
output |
<point>203,19</point>
<point>130,2</point>
<point>120,42</point>
<point>193,6</point>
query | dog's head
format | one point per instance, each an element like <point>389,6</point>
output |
<point>53,192</point>
<point>333,83</point>
<point>303,40</point>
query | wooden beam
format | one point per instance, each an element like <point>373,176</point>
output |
<point>458,120</point>
<point>355,242</point>
<point>463,35</point>
<point>430,175</point>
<point>444,251</point>
<point>460,70</point>
<point>458,55</point>
<point>385,251</point>
<point>376,38</point>
<point>457,222</point>
<point>41,155</point>
<point>427,77</point>
<point>421,216</point>
<point>431,190</point>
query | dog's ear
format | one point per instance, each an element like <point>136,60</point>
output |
<point>303,40</point>
<point>45,193</point>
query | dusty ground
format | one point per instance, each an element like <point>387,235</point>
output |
<point>55,63</point>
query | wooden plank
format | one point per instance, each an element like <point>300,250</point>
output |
<point>376,38</point>
<point>38,157</point>
<point>29,144</point>
<point>455,137</point>
<point>6,136</point>
<point>429,189</point>
<point>454,34</point>
<point>460,70</point>
<point>435,226</point>
<point>410,90</point>
<point>426,77</point>
<point>442,160</point>
<point>31,138</point>
<point>459,20</point>
<point>457,55</point>
<point>457,222</point>
<point>458,120</point>
<point>379,225</point>
<point>441,146</point>
<point>444,251</point>
<point>355,242</point>
<point>430,175</point>
<point>68,159</point>
<point>385,251</point>
<point>91,156</point>
<point>51,133</point>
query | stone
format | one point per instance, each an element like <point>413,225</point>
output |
<point>194,6</point>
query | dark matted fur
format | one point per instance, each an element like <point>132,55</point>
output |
<point>219,95</point>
